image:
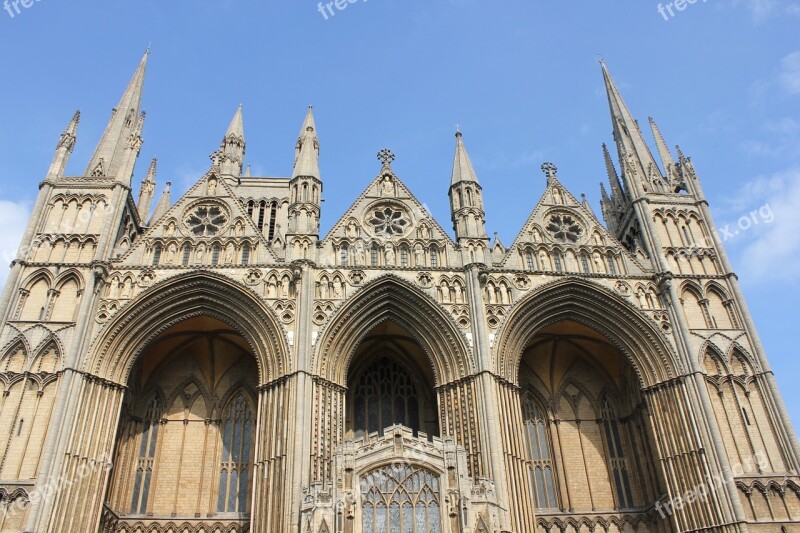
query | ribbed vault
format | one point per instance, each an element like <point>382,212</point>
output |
<point>177,299</point>
<point>392,299</point>
<point>635,335</point>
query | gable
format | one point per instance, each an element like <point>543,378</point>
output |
<point>562,234</point>
<point>388,221</point>
<point>208,225</point>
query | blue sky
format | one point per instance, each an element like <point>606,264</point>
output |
<point>721,78</point>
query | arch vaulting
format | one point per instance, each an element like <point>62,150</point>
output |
<point>577,300</point>
<point>391,299</point>
<point>200,293</point>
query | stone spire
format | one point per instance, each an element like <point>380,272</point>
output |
<point>635,156</point>
<point>466,196</point>
<point>305,189</point>
<point>230,156</point>
<point>462,166</point>
<point>147,191</point>
<point>164,203</point>
<point>666,156</point>
<point>122,138</point>
<point>64,148</point>
<point>307,149</point>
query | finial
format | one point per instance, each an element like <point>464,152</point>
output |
<point>386,157</point>
<point>458,130</point>
<point>147,52</point>
<point>550,170</point>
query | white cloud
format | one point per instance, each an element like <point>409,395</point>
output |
<point>789,77</point>
<point>766,245</point>
<point>13,218</point>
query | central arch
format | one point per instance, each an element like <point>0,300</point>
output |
<point>391,299</point>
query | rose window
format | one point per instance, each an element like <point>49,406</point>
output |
<point>388,222</point>
<point>564,228</point>
<point>206,220</point>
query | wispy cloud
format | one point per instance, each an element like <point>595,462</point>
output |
<point>768,252</point>
<point>14,218</point>
<point>789,77</point>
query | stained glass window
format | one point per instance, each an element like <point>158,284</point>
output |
<point>144,462</point>
<point>536,423</point>
<point>619,465</point>
<point>237,437</point>
<point>384,395</point>
<point>400,498</point>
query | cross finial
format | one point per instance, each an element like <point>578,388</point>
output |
<point>550,170</point>
<point>386,157</point>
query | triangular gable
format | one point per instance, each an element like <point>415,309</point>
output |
<point>187,224</point>
<point>388,190</point>
<point>560,220</point>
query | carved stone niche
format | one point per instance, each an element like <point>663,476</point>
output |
<point>395,476</point>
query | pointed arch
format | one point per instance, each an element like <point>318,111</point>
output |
<point>47,358</point>
<point>636,336</point>
<point>171,301</point>
<point>391,298</point>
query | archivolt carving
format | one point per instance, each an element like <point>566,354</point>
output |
<point>391,298</point>
<point>584,302</point>
<point>176,299</point>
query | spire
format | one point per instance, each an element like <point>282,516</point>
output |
<point>613,178</point>
<point>466,197</point>
<point>462,166</point>
<point>307,149</point>
<point>123,130</point>
<point>663,150</point>
<point>147,191</point>
<point>627,134</point>
<point>66,144</point>
<point>163,205</point>
<point>230,155</point>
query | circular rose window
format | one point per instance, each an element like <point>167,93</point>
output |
<point>388,221</point>
<point>206,220</point>
<point>564,228</point>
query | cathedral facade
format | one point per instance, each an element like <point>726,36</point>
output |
<point>214,364</point>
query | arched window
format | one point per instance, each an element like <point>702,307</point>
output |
<point>373,255</point>
<point>157,254</point>
<point>529,260</point>
<point>557,262</point>
<point>612,266</point>
<point>400,499</point>
<point>404,257</point>
<point>541,455</point>
<point>187,252</point>
<point>619,465</point>
<point>147,453</point>
<point>585,264</point>
<point>237,437</point>
<point>384,394</point>
<point>343,257</point>
<point>272,216</point>
<point>246,254</point>
<point>434,257</point>
<point>215,254</point>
